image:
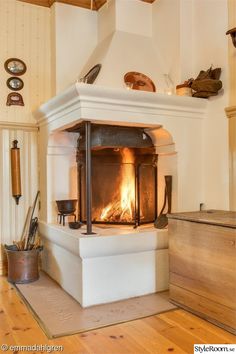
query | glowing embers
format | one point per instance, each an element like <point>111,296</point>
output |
<point>122,207</point>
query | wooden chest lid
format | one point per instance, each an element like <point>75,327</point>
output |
<point>213,217</point>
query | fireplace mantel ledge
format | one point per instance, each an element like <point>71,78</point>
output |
<point>91,102</point>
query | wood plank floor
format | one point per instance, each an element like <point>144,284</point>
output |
<point>170,332</point>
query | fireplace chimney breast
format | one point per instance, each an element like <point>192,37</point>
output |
<point>126,44</point>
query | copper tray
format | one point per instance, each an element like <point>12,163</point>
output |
<point>138,81</point>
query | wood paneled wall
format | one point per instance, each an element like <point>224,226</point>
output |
<point>232,53</point>
<point>25,34</point>
<point>11,215</point>
<point>232,103</point>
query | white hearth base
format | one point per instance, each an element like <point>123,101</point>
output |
<point>114,264</point>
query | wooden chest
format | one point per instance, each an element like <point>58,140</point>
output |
<point>203,265</point>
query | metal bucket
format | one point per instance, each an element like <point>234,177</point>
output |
<point>22,266</point>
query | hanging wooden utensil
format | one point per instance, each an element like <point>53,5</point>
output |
<point>15,172</point>
<point>162,221</point>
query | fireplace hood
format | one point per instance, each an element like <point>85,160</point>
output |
<point>111,136</point>
<point>126,44</point>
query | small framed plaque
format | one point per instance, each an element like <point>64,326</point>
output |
<point>15,99</point>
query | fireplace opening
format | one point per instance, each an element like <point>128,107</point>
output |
<point>123,175</point>
<point>124,186</point>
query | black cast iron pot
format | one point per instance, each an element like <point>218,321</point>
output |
<point>66,207</point>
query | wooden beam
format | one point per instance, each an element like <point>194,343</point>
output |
<point>86,4</point>
<point>44,3</point>
<point>80,3</point>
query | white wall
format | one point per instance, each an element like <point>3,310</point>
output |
<point>166,35</point>
<point>106,20</point>
<point>134,17</point>
<point>75,35</point>
<point>187,39</point>
<point>190,35</point>
<point>210,47</point>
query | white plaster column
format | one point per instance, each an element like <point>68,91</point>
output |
<point>58,171</point>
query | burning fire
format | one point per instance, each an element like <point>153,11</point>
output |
<point>123,206</point>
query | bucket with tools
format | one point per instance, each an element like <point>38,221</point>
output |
<point>23,255</point>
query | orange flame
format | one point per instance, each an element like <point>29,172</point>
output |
<point>122,210</point>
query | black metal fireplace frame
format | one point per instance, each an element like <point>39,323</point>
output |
<point>86,125</point>
<point>137,220</point>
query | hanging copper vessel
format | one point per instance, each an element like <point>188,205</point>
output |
<point>15,172</point>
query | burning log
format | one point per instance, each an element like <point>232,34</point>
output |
<point>122,209</point>
<point>115,212</point>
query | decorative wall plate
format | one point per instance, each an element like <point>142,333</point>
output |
<point>92,74</point>
<point>15,99</point>
<point>15,83</point>
<point>15,66</point>
<point>139,81</point>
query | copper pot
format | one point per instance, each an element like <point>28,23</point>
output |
<point>22,265</point>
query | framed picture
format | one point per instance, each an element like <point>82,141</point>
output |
<point>15,83</point>
<point>15,66</point>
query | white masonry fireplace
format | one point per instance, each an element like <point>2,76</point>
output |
<point>116,261</point>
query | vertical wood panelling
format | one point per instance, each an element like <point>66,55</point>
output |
<point>12,216</point>
<point>25,34</point>
<point>1,200</point>
<point>232,53</point>
<point>232,102</point>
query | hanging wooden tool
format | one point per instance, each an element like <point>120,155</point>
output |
<point>162,221</point>
<point>15,172</point>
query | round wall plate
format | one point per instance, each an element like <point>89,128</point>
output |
<point>15,66</point>
<point>15,83</point>
<point>138,81</point>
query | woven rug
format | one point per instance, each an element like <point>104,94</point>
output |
<point>59,314</point>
